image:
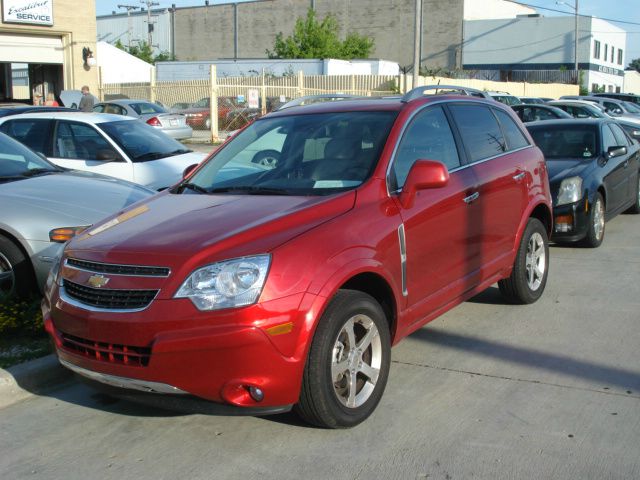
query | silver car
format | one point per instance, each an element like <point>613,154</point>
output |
<point>173,124</point>
<point>43,206</point>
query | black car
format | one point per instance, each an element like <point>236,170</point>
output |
<point>593,173</point>
<point>6,110</point>
<point>536,112</point>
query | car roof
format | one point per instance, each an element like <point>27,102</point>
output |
<point>127,101</point>
<point>569,102</point>
<point>570,121</point>
<point>75,115</point>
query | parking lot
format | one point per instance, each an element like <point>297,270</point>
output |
<point>488,391</point>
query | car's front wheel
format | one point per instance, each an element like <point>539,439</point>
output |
<point>595,232</point>
<point>531,266</point>
<point>348,363</point>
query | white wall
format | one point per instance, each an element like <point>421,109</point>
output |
<point>120,67</point>
<point>491,9</point>
<point>631,82</point>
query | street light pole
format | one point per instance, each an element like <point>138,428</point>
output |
<point>417,35</point>
<point>575,48</point>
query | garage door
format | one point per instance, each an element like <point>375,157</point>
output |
<point>30,49</point>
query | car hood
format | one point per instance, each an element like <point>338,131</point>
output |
<point>562,168</point>
<point>188,230</point>
<point>35,205</point>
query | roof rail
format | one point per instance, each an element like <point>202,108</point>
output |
<point>419,92</point>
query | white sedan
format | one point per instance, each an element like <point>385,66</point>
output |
<point>113,145</point>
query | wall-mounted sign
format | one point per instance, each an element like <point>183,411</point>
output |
<point>32,12</point>
<point>253,95</point>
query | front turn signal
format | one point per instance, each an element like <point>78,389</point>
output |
<point>64,234</point>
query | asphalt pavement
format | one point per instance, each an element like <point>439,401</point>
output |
<point>488,391</point>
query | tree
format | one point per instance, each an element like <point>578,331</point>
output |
<point>144,52</point>
<point>312,38</point>
<point>635,64</point>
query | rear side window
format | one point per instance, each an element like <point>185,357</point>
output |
<point>515,137</point>
<point>480,131</point>
<point>34,133</point>
<point>428,137</point>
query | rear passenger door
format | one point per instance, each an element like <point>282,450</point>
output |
<point>497,154</point>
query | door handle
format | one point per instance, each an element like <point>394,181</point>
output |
<point>519,176</point>
<point>472,197</point>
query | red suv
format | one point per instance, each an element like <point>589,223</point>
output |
<point>271,285</point>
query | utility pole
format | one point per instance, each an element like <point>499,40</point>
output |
<point>129,26</point>
<point>150,4</point>
<point>575,47</point>
<point>417,35</point>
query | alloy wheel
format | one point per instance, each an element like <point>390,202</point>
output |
<point>7,276</point>
<point>536,261</point>
<point>598,219</point>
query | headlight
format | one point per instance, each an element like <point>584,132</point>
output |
<point>570,190</point>
<point>228,284</point>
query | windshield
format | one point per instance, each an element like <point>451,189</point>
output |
<point>142,142</point>
<point>314,154</point>
<point>566,141</point>
<point>144,108</point>
<point>18,161</point>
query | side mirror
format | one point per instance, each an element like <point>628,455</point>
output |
<point>107,155</point>
<point>615,152</point>
<point>187,171</point>
<point>424,174</point>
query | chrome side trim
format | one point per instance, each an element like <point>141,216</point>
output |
<point>124,382</point>
<point>66,264</point>
<point>403,258</point>
<point>67,299</point>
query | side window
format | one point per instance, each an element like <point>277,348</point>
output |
<point>608,140</point>
<point>621,138</point>
<point>34,133</point>
<point>99,108</point>
<point>78,141</point>
<point>613,108</point>
<point>515,137</point>
<point>480,131</point>
<point>428,137</point>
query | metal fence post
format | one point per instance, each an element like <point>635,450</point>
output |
<point>213,103</point>
<point>152,85</point>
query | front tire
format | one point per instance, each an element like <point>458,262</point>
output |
<point>595,233</point>
<point>348,364</point>
<point>531,266</point>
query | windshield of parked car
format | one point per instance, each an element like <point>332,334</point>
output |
<point>142,142</point>
<point>144,108</point>
<point>315,154</point>
<point>566,141</point>
<point>18,161</point>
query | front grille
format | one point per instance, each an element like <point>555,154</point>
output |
<point>110,299</point>
<point>107,352</point>
<point>138,270</point>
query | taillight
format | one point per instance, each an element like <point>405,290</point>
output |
<point>154,122</point>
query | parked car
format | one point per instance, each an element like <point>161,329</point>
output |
<point>632,128</point>
<point>199,115</point>
<point>536,112</point>
<point>172,124</point>
<point>612,107</point>
<point>580,108</point>
<point>504,97</point>
<point>113,145</point>
<point>628,97</point>
<point>594,175</point>
<point>454,90</point>
<point>533,100</point>
<point>294,281</point>
<point>43,206</point>
<point>17,109</point>
<point>71,98</point>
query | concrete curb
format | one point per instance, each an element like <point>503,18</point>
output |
<point>29,378</point>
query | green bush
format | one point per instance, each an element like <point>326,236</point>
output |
<point>20,317</point>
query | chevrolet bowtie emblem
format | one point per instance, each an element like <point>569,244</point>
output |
<point>98,281</point>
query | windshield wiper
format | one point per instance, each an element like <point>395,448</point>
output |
<point>251,190</point>
<point>191,186</point>
<point>150,156</point>
<point>37,171</point>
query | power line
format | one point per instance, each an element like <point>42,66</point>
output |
<point>569,13</point>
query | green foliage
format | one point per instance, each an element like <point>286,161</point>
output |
<point>312,38</point>
<point>20,316</point>
<point>635,64</point>
<point>144,52</point>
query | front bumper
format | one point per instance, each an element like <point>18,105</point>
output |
<point>216,356</point>
<point>576,218</point>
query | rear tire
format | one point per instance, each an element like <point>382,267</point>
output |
<point>348,363</point>
<point>530,269</point>
<point>595,233</point>
<point>16,273</point>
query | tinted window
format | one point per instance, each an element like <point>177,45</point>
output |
<point>34,133</point>
<point>565,141</point>
<point>480,131</point>
<point>621,138</point>
<point>428,137</point>
<point>515,137</point>
<point>17,161</point>
<point>608,139</point>
<point>78,141</point>
<point>144,108</point>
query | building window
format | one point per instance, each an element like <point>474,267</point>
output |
<point>613,54</point>
<point>619,56</point>
<point>606,51</point>
<point>617,89</point>
<point>594,87</point>
<point>596,49</point>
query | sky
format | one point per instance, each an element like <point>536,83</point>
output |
<point>626,10</point>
